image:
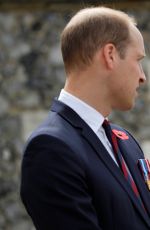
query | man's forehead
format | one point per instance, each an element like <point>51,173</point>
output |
<point>137,40</point>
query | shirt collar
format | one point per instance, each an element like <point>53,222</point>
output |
<point>91,116</point>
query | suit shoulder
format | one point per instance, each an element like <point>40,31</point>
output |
<point>53,126</point>
<point>54,133</point>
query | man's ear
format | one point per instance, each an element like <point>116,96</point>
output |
<point>110,55</point>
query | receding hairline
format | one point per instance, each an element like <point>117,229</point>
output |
<point>91,12</point>
<point>81,38</point>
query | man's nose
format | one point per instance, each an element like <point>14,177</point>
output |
<point>142,78</point>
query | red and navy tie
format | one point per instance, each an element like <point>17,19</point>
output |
<point>120,160</point>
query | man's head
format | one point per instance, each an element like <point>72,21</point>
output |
<point>102,49</point>
<point>89,30</point>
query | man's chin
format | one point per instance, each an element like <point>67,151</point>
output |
<point>126,107</point>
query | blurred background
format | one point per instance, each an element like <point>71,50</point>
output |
<point>32,73</point>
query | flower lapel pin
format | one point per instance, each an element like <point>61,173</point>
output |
<point>120,134</point>
<point>144,166</point>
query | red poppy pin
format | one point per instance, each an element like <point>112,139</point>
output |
<point>120,134</point>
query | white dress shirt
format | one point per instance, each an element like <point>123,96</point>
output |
<point>91,116</point>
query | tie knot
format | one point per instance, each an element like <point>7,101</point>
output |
<point>108,130</point>
<point>105,123</point>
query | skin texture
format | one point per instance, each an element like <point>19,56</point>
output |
<point>112,81</point>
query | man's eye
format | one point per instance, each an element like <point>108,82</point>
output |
<point>141,62</point>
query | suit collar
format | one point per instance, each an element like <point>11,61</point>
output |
<point>91,116</point>
<point>67,113</point>
<point>75,120</point>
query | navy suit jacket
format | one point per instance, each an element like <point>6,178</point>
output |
<point>70,182</point>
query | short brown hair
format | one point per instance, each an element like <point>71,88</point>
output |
<point>89,30</point>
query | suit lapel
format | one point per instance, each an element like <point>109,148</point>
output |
<point>145,194</point>
<point>74,119</point>
<point>116,172</point>
<point>127,147</point>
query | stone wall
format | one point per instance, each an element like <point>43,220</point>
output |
<point>31,74</point>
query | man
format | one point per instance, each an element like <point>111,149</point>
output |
<point>71,177</point>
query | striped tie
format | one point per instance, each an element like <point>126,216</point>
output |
<point>120,160</point>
